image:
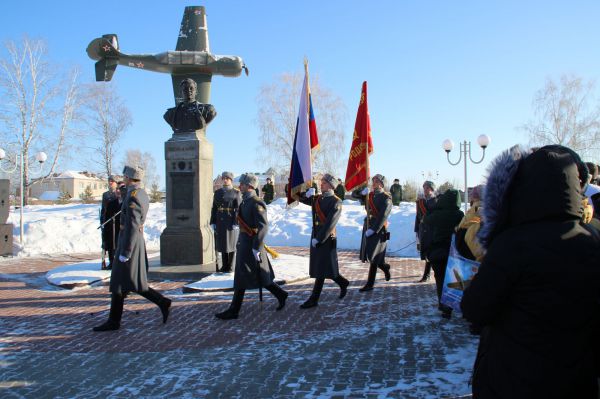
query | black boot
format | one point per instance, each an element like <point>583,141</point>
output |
<point>234,308</point>
<point>226,258</point>
<point>315,295</point>
<point>279,293</point>
<point>159,300</point>
<point>343,283</point>
<point>386,271</point>
<point>370,279</point>
<point>426,273</point>
<point>114,318</point>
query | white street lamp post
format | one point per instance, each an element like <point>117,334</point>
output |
<point>41,158</point>
<point>465,151</point>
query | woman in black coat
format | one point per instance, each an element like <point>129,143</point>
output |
<point>537,291</point>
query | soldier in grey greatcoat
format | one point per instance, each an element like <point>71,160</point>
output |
<point>326,211</point>
<point>252,267</point>
<point>376,235</point>
<point>223,220</point>
<point>129,273</point>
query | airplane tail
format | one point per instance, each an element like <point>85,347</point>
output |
<point>105,49</point>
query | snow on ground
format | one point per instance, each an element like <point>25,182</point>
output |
<point>287,268</point>
<point>51,229</point>
<point>84,273</point>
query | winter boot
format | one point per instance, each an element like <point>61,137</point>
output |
<point>370,279</point>
<point>279,293</point>
<point>234,308</point>
<point>386,271</point>
<point>343,283</point>
<point>314,296</point>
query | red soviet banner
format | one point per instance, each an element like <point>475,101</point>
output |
<point>357,172</point>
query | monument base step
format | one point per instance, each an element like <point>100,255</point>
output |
<point>183,272</point>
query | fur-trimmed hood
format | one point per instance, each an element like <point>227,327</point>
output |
<point>525,186</point>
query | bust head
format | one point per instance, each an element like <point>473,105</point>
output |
<point>188,90</point>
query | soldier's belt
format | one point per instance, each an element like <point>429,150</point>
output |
<point>245,228</point>
<point>223,209</point>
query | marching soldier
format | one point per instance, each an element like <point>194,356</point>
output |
<point>106,212</point>
<point>375,231</point>
<point>223,220</point>
<point>252,267</point>
<point>268,191</point>
<point>129,271</point>
<point>425,205</point>
<point>326,211</point>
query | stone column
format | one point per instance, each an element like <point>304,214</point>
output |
<point>188,238</point>
<point>6,230</point>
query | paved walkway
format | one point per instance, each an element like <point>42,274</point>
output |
<point>390,342</point>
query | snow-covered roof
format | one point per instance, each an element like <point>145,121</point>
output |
<point>71,174</point>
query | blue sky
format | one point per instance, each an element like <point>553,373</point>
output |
<point>435,69</point>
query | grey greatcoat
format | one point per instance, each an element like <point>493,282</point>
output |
<point>253,211</point>
<point>324,259</point>
<point>373,248</point>
<point>131,275</point>
<point>226,203</point>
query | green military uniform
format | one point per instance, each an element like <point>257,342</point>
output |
<point>340,191</point>
<point>396,191</point>
<point>268,192</point>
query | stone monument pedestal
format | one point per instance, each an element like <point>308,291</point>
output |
<point>188,238</point>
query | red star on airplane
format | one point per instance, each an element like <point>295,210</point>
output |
<point>106,47</point>
<point>139,65</point>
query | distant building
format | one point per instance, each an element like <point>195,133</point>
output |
<point>71,182</point>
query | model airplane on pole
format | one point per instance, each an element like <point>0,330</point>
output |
<point>191,59</point>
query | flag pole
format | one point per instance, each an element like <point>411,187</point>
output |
<point>363,245</point>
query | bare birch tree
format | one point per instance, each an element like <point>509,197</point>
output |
<point>107,118</point>
<point>146,161</point>
<point>38,109</point>
<point>278,104</point>
<point>566,113</point>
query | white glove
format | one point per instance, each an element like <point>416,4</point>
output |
<point>123,259</point>
<point>236,227</point>
<point>314,242</point>
<point>365,191</point>
<point>369,233</point>
<point>310,192</point>
<point>256,254</point>
<point>213,226</point>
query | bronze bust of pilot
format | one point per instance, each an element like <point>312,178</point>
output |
<point>189,115</point>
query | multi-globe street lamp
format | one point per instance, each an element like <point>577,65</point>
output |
<point>41,158</point>
<point>465,152</point>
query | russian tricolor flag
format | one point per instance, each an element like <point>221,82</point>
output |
<point>306,141</point>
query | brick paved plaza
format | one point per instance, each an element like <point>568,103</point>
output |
<point>390,342</point>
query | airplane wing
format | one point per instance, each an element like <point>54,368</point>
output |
<point>193,35</point>
<point>202,80</point>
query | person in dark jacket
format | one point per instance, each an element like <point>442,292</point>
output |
<point>374,244</point>
<point>442,223</point>
<point>268,191</point>
<point>340,190</point>
<point>396,191</point>
<point>537,293</point>
<point>252,267</point>
<point>107,211</point>
<point>129,273</point>
<point>425,205</point>
<point>223,220</point>
<point>326,211</point>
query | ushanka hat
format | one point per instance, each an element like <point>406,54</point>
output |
<point>249,179</point>
<point>333,182</point>
<point>133,172</point>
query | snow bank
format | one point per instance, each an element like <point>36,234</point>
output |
<point>78,274</point>
<point>51,229</point>
<point>287,268</point>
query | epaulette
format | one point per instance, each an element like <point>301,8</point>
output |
<point>133,193</point>
<point>235,189</point>
<point>338,198</point>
